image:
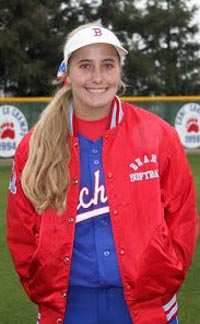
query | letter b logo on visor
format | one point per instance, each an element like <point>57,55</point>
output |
<point>97,31</point>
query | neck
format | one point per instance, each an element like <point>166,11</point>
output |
<point>94,113</point>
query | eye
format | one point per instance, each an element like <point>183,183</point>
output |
<point>85,66</point>
<point>109,65</point>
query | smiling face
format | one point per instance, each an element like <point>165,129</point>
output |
<point>94,75</point>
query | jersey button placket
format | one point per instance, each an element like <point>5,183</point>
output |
<point>96,162</point>
<point>95,158</point>
<point>104,222</point>
<point>106,253</point>
<point>95,150</point>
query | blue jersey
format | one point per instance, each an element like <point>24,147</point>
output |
<point>94,261</point>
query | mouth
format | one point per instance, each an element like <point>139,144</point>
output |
<point>96,90</point>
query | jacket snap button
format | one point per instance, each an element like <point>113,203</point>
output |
<point>115,211</point>
<point>110,175</point>
<point>59,320</point>
<point>75,181</point>
<point>66,259</point>
<point>128,287</point>
<point>135,312</point>
<point>122,252</point>
<point>71,220</point>
<point>64,295</point>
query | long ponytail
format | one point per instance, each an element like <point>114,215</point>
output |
<point>45,178</point>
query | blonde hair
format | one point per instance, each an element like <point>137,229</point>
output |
<point>45,177</point>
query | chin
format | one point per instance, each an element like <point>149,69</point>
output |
<point>101,102</point>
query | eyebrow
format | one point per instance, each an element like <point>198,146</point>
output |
<point>104,60</point>
<point>84,61</point>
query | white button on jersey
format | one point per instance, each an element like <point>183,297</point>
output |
<point>95,151</point>
<point>96,162</point>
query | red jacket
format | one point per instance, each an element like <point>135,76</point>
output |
<point>153,211</point>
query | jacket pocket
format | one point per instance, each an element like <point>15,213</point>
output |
<point>160,269</point>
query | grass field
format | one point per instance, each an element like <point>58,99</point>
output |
<point>15,308</point>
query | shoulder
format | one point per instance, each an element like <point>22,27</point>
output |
<point>150,132</point>
<point>147,121</point>
<point>139,113</point>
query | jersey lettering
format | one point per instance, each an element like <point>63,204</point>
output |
<point>99,193</point>
<point>138,162</point>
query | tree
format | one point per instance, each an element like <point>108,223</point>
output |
<point>171,62</point>
<point>31,33</point>
<point>163,54</point>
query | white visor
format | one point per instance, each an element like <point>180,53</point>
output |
<point>92,35</point>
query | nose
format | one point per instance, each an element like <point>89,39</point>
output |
<point>97,76</point>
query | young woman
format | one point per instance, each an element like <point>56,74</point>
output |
<point>101,218</point>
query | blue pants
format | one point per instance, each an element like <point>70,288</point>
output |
<point>98,306</point>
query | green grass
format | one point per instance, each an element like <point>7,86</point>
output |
<point>15,306</point>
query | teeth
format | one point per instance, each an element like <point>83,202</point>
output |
<point>96,90</point>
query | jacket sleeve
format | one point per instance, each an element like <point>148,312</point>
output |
<point>20,224</point>
<point>179,200</point>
